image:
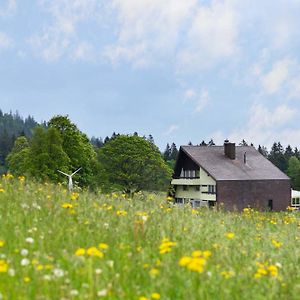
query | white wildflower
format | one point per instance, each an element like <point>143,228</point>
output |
<point>102,293</point>
<point>47,277</point>
<point>29,240</point>
<point>25,262</point>
<point>110,263</point>
<point>98,271</point>
<point>74,293</point>
<point>24,252</point>
<point>11,272</point>
<point>58,272</point>
<point>144,218</point>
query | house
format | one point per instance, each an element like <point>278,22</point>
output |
<point>232,176</point>
<point>295,201</point>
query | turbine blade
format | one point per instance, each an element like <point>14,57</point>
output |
<point>76,171</point>
<point>63,173</point>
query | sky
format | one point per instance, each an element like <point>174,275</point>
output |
<point>180,70</point>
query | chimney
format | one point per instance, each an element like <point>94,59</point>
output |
<point>245,157</point>
<point>229,149</point>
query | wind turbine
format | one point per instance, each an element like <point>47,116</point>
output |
<point>70,178</point>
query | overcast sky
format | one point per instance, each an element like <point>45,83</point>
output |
<point>179,70</point>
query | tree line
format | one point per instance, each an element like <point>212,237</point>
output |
<point>125,162</point>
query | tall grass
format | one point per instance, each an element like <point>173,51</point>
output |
<point>57,245</point>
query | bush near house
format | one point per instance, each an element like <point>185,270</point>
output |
<point>60,245</point>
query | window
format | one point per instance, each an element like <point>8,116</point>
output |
<point>211,189</point>
<point>189,173</point>
<point>196,203</point>
<point>197,187</point>
<point>296,201</point>
<point>179,200</point>
<point>185,188</point>
<point>182,173</point>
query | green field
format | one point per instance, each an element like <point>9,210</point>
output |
<point>57,245</point>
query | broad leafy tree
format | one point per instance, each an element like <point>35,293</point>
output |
<point>131,164</point>
<point>18,159</point>
<point>77,147</point>
<point>294,171</point>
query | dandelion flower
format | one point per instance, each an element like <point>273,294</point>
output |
<point>93,251</point>
<point>103,246</point>
<point>67,205</point>
<point>230,235</point>
<point>155,296</point>
<point>3,266</point>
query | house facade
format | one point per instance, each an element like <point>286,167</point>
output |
<point>231,176</point>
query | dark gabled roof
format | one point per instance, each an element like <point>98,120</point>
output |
<point>220,167</point>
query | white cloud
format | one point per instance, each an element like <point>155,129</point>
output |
<point>294,91</point>
<point>212,35</point>
<point>149,30</point>
<point>190,94</point>
<point>5,41</point>
<point>135,54</point>
<point>84,51</point>
<point>265,126</point>
<point>60,37</point>
<point>199,99</point>
<point>273,81</point>
<point>282,78</point>
<point>172,128</point>
<point>9,9</point>
<point>154,31</point>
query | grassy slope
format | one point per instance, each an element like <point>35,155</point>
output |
<point>133,266</point>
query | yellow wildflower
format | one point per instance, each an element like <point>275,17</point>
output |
<point>207,253</point>
<point>3,266</point>
<point>197,265</point>
<point>273,270</point>
<point>185,260</point>
<point>80,252</point>
<point>265,270</point>
<point>2,243</point>
<point>170,199</point>
<point>143,298</point>
<point>197,253</point>
<point>121,213</point>
<point>230,235</point>
<point>166,246</point>
<point>27,279</point>
<point>93,251</point>
<point>40,267</point>
<point>154,272</point>
<point>21,178</point>
<point>103,246</point>
<point>276,244</point>
<point>155,296</point>
<point>67,205</point>
<point>2,190</point>
<point>74,196</point>
<point>227,274</point>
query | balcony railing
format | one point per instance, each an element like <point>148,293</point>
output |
<point>181,177</point>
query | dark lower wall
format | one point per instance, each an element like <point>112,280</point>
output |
<point>236,195</point>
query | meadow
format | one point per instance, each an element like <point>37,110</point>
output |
<point>60,245</point>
